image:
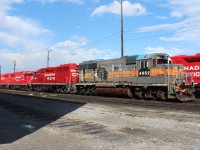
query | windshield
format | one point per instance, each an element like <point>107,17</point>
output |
<point>162,61</point>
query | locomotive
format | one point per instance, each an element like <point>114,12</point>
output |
<point>151,76</point>
<point>192,65</point>
<point>16,80</point>
<point>60,79</point>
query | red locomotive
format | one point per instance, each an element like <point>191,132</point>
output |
<point>5,80</point>
<point>57,79</point>
<point>16,80</point>
<point>192,65</point>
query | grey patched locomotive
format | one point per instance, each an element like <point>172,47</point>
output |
<point>141,76</point>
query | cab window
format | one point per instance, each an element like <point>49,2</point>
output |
<point>144,64</point>
<point>161,61</point>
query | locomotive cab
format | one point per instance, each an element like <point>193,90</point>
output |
<point>159,72</point>
<point>153,61</point>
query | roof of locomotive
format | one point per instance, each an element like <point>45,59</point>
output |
<point>55,67</point>
<point>153,56</point>
<point>142,57</point>
<point>136,57</point>
<point>188,58</point>
<point>100,60</point>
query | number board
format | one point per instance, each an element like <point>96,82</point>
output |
<point>144,72</point>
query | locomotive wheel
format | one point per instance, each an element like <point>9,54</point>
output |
<point>93,91</point>
<point>139,95</point>
<point>161,96</point>
<point>65,91</point>
<point>82,91</point>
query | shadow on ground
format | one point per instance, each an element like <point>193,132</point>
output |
<point>22,115</point>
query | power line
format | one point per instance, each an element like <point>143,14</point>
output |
<point>160,35</point>
<point>98,41</point>
<point>151,36</point>
<point>166,26</point>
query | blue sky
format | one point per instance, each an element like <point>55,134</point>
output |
<point>79,30</point>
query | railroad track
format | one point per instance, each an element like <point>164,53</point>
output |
<point>168,105</point>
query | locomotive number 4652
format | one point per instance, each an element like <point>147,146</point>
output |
<point>144,72</point>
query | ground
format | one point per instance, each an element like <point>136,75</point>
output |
<point>89,126</point>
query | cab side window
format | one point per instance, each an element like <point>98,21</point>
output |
<point>144,64</point>
<point>34,74</point>
<point>154,62</point>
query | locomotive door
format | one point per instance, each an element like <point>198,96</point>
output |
<point>144,69</point>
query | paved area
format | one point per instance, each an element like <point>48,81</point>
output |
<point>89,126</point>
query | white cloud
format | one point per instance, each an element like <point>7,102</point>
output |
<point>21,42</point>
<point>70,1</point>
<point>188,11</point>
<point>17,31</point>
<point>74,42</point>
<point>73,50</point>
<point>5,4</point>
<point>95,1</point>
<point>159,49</point>
<point>10,1</point>
<point>187,23</point>
<point>76,50</point>
<point>186,30</point>
<point>26,60</point>
<point>20,38</point>
<point>135,9</point>
<point>181,8</point>
<point>19,25</point>
<point>162,17</point>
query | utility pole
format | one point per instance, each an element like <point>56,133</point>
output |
<point>14,65</point>
<point>48,58</point>
<point>122,32</point>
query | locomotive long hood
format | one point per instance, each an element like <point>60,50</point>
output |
<point>193,58</point>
